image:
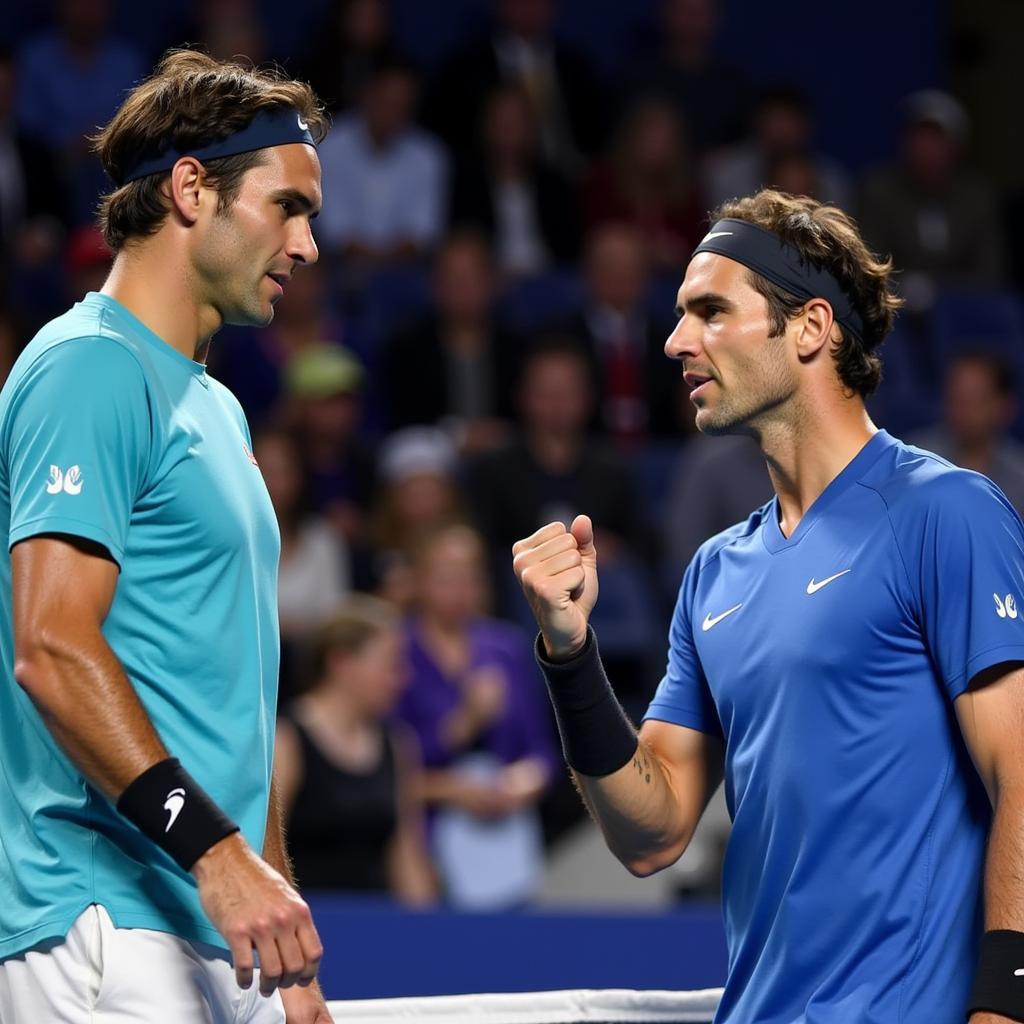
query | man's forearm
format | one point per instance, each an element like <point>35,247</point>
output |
<point>87,702</point>
<point>640,816</point>
<point>1004,868</point>
<point>275,851</point>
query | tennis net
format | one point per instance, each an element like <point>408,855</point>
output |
<point>574,1006</point>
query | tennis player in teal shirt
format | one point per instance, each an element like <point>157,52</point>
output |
<point>142,870</point>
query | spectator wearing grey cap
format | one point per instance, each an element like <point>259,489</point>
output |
<point>937,220</point>
<point>323,388</point>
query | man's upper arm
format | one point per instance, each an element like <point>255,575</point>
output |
<point>59,585</point>
<point>991,716</point>
<point>76,443</point>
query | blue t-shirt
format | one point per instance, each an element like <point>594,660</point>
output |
<point>109,434</point>
<point>829,662</point>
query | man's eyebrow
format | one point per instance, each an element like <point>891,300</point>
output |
<point>300,199</point>
<point>702,301</point>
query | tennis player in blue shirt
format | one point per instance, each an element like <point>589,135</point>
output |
<point>142,867</point>
<point>850,656</point>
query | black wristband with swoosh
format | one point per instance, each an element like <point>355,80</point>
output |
<point>597,737</point>
<point>999,982</point>
<point>166,804</point>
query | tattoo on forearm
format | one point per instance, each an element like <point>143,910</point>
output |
<point>642,765</point>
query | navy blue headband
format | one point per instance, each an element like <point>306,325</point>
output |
<point>768,255</point>
<point>276,126</point>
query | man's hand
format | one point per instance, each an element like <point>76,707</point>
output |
<point>557,569</point>
<point>305,1006</point>
<point>250,904</point>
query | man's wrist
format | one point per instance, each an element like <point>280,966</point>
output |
<point>212,858</point>
<point>597,737</point>
<point>559,654</point>
<point>166,804</point>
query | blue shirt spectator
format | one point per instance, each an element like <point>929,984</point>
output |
<point>386,179</point>
<point>70,79</point>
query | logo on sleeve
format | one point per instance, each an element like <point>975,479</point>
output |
<point>69,482</point>
<point>173,805</point>
<point>1006,607</point>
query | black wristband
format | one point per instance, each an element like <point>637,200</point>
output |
<point>166,804</point>
<point>999,981</point>
<point>597,737</point>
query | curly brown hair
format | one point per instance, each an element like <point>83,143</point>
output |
<point>827,238</point>
<point>189,101</point>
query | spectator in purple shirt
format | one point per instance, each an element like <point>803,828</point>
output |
<point>474,701</point>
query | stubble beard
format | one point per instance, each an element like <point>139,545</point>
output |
<point>766,383</point>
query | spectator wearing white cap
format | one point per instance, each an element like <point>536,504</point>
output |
<point>418,494</point>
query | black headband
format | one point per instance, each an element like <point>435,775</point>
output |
<point>277,126</point>
<point>768,255</point>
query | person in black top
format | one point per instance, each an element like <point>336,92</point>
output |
<point>347,779</point>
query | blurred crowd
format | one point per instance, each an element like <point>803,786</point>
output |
<point>479,352</point>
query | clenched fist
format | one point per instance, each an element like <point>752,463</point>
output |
<point>557,569</point>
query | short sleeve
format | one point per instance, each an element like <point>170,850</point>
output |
<point>969,573</point>
<point>683,696</point>
<point>75,443</point>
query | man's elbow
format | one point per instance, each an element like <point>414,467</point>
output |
<point>34,666</point>
<point>650,862</point>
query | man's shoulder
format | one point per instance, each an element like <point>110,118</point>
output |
<point>735,534</point>
<point>916,484</point>
<point>79,345</point>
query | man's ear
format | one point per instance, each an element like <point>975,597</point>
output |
<point>185,188</point>
<point>815,327</point>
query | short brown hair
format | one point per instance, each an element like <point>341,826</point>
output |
<point>828,238</point>
<point>360,619</point>
<point>189,100</point>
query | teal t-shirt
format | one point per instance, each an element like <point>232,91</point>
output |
<point>110,434</point>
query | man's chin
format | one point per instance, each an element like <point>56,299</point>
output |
<point>261,317</point>
<point>714,424</point>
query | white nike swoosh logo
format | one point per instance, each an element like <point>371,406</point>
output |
<point>813,588</point>
<point>709,622</point>
<point>714,234</point>
<point>303,127</point>
<point>1019,973</point>
<point>173,805</point>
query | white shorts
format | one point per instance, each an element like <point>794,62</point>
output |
<point>99,974</point>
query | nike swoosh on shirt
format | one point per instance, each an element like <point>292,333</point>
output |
<point>813,588</point>
<point>709,622</point>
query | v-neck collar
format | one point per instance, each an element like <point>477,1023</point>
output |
<point>771,532</point>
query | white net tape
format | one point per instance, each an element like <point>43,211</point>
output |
<point>574,1006</point>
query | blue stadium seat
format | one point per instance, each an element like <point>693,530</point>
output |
<point>970,319</point>
<point>535,302</point>
<point>391,297</point>
<point>653,465</point>
<point>908,398</point>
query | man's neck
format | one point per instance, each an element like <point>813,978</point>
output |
<point>152,283</point>
<point>808,448</point>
